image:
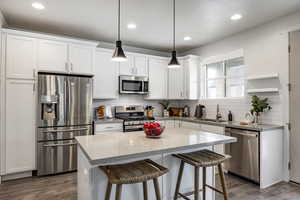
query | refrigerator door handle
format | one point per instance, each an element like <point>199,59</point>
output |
<point>67,130</point>
<point>57,145</point>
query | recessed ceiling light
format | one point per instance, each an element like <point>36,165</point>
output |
<point>236,17</point>
<point>38,6</point>
<point>187,38</point>
<point>131,26</point>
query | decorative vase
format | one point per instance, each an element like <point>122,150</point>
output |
<point>256,118</point>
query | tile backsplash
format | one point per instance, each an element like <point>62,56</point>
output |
<point>239,107</point>
<point>132,100</point>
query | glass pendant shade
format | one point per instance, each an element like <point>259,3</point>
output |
<point>173,62</point>
<point>119,55</point>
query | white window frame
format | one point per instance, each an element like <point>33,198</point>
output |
<point>217,59</point>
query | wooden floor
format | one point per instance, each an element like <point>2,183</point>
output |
<point>63,187</point>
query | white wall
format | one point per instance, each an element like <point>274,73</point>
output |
<point>265,51</point>
<point>2,22</point>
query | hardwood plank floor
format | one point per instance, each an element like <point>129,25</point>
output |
<point>63,187</point>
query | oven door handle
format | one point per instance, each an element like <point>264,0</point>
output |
<point>57,145</point>
<point>70,130</point>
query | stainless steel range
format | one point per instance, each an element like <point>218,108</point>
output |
<point>133,116</point>
<point>63,112</point>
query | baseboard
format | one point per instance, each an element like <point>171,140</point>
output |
<point>9,177</point>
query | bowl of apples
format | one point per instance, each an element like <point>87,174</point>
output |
<point>153,129</point>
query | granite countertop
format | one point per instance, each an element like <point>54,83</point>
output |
<point>116,146</point>
<point>234,124</point>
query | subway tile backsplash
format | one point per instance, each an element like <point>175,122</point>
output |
<point>239,107</point>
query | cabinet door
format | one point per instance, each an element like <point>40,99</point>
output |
<point>127,67</point>
<point>106,76</point>
<point>220,148</point>
<point>53,56</point>
<point>176,83</point>
<point>140,65</point>
<point>20,126</point>
<point>158,79</point>
<point>20,57</point>
<point>81,59</point>
<point>191,78</point>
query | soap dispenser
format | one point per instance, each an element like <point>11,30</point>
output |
<point>230,116</point>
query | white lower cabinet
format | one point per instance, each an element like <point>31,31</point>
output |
<point>106,76</point>
<point>108,127</point>
<point>19,126</point>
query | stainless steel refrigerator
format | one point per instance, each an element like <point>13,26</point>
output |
<point>63,112</point>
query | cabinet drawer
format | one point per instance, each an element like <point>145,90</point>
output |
<point>108,127</point>
<point>213,129</point>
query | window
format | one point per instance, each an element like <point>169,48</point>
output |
<point>225,78</point>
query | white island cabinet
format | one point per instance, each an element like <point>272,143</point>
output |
<point>117,147</point>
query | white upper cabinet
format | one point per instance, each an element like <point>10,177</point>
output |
<point>135,65</point>
<point>126,67</point>
<point>20,126</point>
<point>106,76</point>
<point>81,59</point>
<point>53,56</point>
<point>140,65</point>
<point>20,57</point>
<point>191,67</point>
<point>176,82</point>
<point>158,78</point>
<point>184,81</point>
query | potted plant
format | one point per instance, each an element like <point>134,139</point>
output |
<point>166,105</point>
<point>259,106</point>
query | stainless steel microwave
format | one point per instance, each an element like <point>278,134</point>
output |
<point>133,84</point>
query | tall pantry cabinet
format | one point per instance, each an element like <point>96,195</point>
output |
<point>23,55</point>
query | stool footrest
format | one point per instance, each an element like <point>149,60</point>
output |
<point>185,195</point>
<point>215,189</point>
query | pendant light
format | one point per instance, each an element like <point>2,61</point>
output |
<point>174,62</point>
<point>119,55</point>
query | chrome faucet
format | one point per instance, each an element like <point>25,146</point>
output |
<point>218,116</point>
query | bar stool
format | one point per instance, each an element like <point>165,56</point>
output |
<point>204,159</point>
<point>135,172</point>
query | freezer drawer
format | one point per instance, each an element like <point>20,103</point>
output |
<point>245,154</point>
<point>56,157</point>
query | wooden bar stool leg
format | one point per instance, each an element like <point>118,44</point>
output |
<point>145,190</point>
<point>223,184</point>
<point>179,180</point>
<point>156,187</point>
<point>196,183</point>
<point>204,184</point>
<point>108,191</point>
<point>119,192</point>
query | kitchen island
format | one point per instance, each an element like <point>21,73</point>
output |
<point>118,147</point>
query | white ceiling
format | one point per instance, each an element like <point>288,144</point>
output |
<point>204,20</point>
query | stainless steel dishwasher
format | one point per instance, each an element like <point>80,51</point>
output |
<point>245,159</point>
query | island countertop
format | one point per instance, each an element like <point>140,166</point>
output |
<point>115,146</point>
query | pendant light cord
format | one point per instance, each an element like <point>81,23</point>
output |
<point>119,21</point>
<point>174,25</point>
